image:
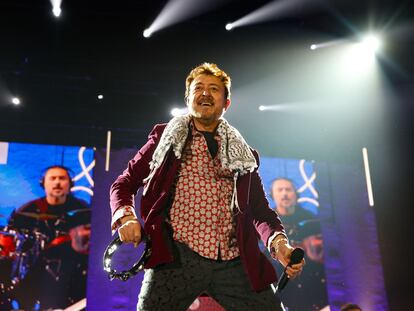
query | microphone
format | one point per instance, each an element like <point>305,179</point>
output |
<point>295,258</point>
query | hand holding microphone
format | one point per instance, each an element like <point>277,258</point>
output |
<point>289,257</point>
<point>292,269</point>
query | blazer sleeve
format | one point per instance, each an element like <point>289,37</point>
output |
<point>125,187</point>
<point>266,221</point>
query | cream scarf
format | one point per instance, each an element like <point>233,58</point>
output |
<point>234,153</point>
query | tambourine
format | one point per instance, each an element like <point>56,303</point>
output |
<point>138,266</point>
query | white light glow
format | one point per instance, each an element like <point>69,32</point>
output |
<point>371,43</point>
<point>56,7</point>
<point>229,26</point>
<point>175,112</point>
<point>358,57</point>
<point>57,11</point>
<point>16,101</point>
<point>261,108</point>
<point>100,96</point>
<point>313,47</point>
<point>147,33</point>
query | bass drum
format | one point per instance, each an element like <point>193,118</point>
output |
<point>7,244</point>
<point>7,255</point>
<point>62,274</point>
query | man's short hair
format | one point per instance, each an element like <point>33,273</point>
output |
<point>287,179</point>
<point>212,70</point>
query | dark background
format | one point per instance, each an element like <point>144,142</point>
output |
<point>59,66</point>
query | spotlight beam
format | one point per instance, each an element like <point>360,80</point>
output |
<point>273,10</point>
<point>176,11</point>
<point>327,44</point>
<point>294,106</point>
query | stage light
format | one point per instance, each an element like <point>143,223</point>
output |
<point>56,9</point>
<point>229,26</point>
<point>371,43</point>
<point>313,47</point>
<point>100,96</point>
<point>261,108</point>
<point>147,33</point>
<point>16,101</point>
<point>362,54</point>
<point>175,112</point>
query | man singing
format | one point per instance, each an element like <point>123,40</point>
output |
<point>203,206</point>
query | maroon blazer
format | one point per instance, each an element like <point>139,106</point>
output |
<point>255,221</point>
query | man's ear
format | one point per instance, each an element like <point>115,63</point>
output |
<point>227,104</point>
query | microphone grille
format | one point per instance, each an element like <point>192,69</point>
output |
<point>297,255</point>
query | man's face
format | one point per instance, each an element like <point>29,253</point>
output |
<point>284,194</point>
<point>57,183</point>
<point>206,100</point>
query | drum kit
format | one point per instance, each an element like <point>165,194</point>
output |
<point>26,244</point>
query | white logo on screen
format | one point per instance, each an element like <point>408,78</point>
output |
<point>4,150</point>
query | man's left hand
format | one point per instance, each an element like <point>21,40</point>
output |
<point>282,252</point>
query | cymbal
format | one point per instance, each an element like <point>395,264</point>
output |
<point>78,217</point>
<point>78,211</point>
<point>38,216</point>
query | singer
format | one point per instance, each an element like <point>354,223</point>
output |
<point>203,206</point>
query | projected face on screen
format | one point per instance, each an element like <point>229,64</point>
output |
<point>56,184</point>
<point>284,194</point>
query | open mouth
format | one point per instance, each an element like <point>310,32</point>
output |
<point>206,104</point>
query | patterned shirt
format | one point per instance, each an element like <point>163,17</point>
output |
<point>200,214</point>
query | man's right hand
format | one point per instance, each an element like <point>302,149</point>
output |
<point>130,230</point>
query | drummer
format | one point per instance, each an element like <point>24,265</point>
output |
<point>46,214</point>
<point>63,223</point>
<point>61,269</point>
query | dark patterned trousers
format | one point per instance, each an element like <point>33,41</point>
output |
<point>176,285</point>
